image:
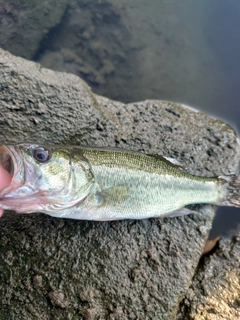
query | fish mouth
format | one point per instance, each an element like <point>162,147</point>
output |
<point>7,160</point>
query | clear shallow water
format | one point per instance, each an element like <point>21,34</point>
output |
<point>184,51</point>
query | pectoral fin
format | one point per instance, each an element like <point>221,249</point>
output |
<point>115,194</point>
<point>109,197</point>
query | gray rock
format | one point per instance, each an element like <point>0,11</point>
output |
<point>65,269</point>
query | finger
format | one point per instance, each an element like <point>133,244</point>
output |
<point>5,180</point>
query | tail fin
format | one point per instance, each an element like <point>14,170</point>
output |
<point>231,191</point>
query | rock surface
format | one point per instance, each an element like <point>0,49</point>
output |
<point>64,269</point>
<point>215,291</point>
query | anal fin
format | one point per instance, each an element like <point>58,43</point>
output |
<point>182,212</point>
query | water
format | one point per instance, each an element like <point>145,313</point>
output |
<point>130,50</point>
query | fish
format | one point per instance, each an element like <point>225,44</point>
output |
<point>105,184</point>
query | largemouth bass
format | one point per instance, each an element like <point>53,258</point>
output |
<point>101,184</point>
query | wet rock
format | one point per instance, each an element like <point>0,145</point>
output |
<point>116,270</point>
<point>89,314</point>
<point>215,290</point>
<point>58,299</point>
<point>37,281</point>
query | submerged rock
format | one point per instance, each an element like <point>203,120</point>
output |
<point>25,23</point>
<point>59,268</point>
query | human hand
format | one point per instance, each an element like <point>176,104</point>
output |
<point>5,180</point>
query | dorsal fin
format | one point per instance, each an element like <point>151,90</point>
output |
<point>171,161</point>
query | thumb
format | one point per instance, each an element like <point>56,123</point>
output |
<point>5,180</point>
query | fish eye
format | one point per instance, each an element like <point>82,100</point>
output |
<point>41,155</point>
